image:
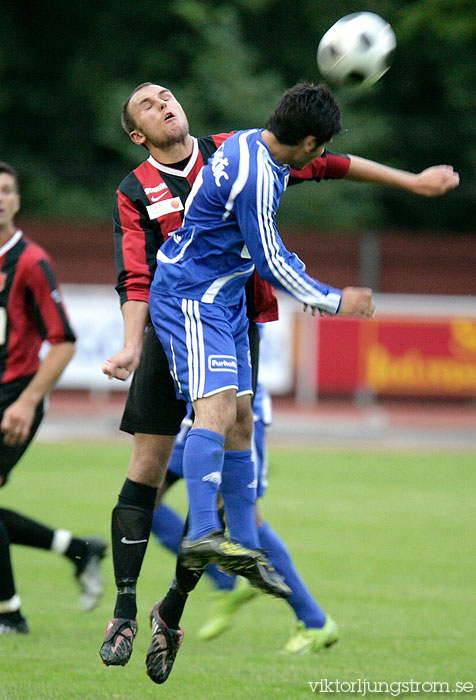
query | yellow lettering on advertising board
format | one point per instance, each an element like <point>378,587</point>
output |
<point>415,372</point>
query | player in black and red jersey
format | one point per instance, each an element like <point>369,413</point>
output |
<point>149,206</point>
<point>31,311</point>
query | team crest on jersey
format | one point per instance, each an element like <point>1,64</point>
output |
<point>3,281</point>
<point>219,164</point>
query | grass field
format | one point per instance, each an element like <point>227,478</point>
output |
<point>385,541</point>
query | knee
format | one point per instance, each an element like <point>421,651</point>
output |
<point>150,458</point>
<point>243,427</point>
<point>216,413</point>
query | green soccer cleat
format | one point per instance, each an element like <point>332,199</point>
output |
<point>226,604</point>
<point>312,639</point>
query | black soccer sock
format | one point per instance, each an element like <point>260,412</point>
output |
<point>172,606</point>
<point>186,579</point>
<point>7,584</point>
<point>130,530</point>
<point>22,530</point>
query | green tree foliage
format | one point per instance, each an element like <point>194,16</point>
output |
<point>66,68</point>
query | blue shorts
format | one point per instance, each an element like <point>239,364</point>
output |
<point>206,345</point>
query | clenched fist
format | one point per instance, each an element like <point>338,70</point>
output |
<point>357,301</point>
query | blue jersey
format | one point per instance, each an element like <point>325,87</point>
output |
<point>229,228</point>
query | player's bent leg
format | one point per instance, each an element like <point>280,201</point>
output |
<point>314,629</point>
<point>85,553</point>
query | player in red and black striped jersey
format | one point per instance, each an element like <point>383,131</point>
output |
<point>31,311</point>
<point>149,206</point>
<point>31,308</point>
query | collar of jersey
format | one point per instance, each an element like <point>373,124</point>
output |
<point>173,171</point>
<point>281,166</point>
<point>11,242</point>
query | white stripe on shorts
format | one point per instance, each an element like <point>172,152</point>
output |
<point>195,348</point>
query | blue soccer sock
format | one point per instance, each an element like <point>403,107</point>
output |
<point>238,490</point>
<point>167,526</point>
<point>301,601</point>
<point>202,470</point>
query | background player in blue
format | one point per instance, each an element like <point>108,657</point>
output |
<point>229,227</point>
<point>314,628</point>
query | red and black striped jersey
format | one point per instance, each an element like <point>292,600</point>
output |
<point>31,309</point>
<point>149,207</point>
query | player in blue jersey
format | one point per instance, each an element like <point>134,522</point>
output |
<point>229,228</point>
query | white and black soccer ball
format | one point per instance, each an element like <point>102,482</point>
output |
<point>357,50</point>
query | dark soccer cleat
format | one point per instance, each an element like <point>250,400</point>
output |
<point>17,627</point>
<point>264,576</point>
<point>88,572</point>
<point>163,648</point>
<point>117,646</point>
<point>214,548</point>
<point>233,558</point>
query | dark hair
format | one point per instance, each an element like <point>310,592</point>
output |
<point>6,168</point>
<point>127,123</point>
<point>305,110</point>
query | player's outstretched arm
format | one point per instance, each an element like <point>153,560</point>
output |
<point>18,417</point>
<point>431,182</point>
<point>123,363</point>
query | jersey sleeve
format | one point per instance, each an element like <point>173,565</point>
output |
<point>43,299</point>
<point>261,302</point>
<point>134,267</point>
<point>329,166</point>
<point>254,209</point>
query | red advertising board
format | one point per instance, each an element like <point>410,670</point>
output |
<point>397,356</point>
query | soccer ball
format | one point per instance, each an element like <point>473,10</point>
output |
<point>357,50</point>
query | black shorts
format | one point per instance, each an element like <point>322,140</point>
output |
<point>10,456</point>
<point>152,406</point>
